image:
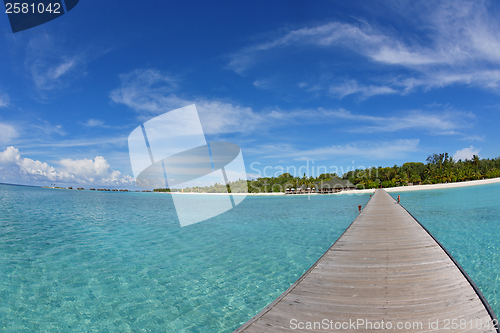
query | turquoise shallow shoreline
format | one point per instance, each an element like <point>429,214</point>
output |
<point>79,260</point>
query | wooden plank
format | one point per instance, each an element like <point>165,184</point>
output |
<point>385,267</point>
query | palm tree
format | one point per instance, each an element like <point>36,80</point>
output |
<point>387,173</point>
<point>469,172</point>
<point>475,162</point>
<point>310,183</point>
<point>428,171</point>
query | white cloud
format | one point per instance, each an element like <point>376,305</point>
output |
<point>359,150</point>
<point>31,132</point>
<point>45,127</point>
<point>474,138</point>
<point>47,76</point>
<point>57,71</point>
<point>436,123</point>
<point>455,42</point>
<point>351,87</point>
<point>94,123</point>
<point>263,83</point>
<point>400,55</point>
<point>15,168</point>
<point>119,141</point>
<point>489,79</point>
<point>150,92</point>
<point>147,91</point>
<point>7,133</point>
<point>222,117</point>
<point>326,35</point>
<point>91,171</point>
<point>4,100</point>
<point>50,65</point>
<point>466,153</point>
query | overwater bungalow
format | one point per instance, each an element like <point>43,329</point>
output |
<point>80,189</point>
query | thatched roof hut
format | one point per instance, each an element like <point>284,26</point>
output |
<point>334,185</point>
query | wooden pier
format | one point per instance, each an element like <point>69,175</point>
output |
<point>385,273</point>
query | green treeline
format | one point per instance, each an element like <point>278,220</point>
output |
<point>440,168</point>
<point>161,190</point>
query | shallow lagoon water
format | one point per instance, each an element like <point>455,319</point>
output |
<point>82,260</point>
<point>92,261</point>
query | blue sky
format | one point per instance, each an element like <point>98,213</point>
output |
<point>293,83</point>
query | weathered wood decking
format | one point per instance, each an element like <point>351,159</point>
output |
<point>385,267</point>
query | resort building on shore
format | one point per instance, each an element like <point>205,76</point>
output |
<point>305,189</point>
<point>324,187</point>
<point>334,185</point>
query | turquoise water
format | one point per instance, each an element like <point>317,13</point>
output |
<point>74,261</point>
<point>466,221</point>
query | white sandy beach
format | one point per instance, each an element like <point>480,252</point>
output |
<point>431,186</point>
<point>227,193</point>
<point>389,189</point>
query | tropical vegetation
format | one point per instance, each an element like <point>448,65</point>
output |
<point>440,168</point>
